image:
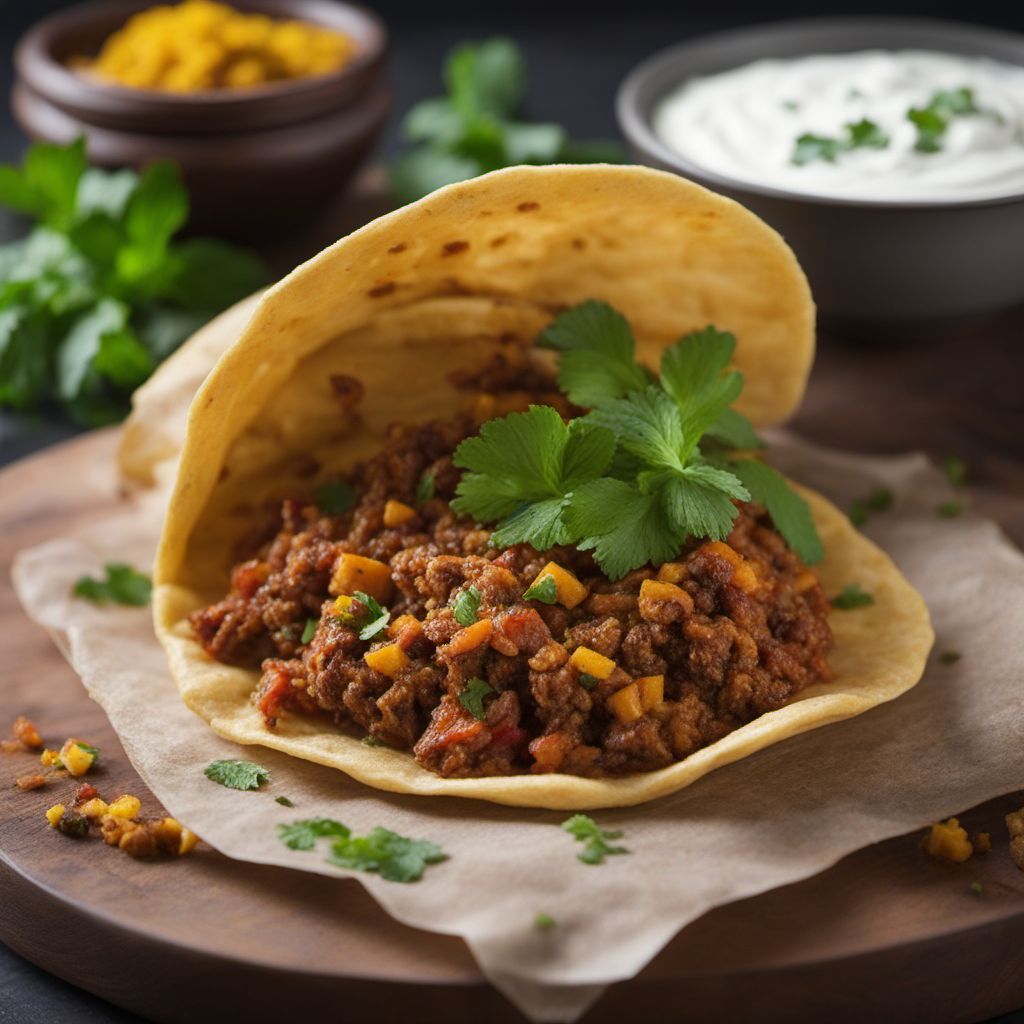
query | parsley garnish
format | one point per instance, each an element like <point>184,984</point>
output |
<point>334,497</point>
<point>650,466</point>
<point>302,835</point>
<point>394,857</point>
<point>932,121</point>
<point>850,597</point>
<point>545,922</point>
<point>949,657</point>
<point>472,697</point>
<point>244,775</point>
<point>544,590</point>
<point>426,488</point>
<point>377,617</point>
<point>283,801</point>
<point>465,606</point>
<point>122,585</point>
<point>863,134</point>
<point>597,846</point>
<point>309,631</point>
<point>587,681</point>
<point>948,509</point>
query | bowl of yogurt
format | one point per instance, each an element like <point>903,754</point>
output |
<point>888,151</point>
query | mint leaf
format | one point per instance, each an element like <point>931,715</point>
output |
<point>392,856</point>
<point>302,835</point>
<point>543,589</point>
<point>424,170</point>
<point>122,359</point>
<point>597,841</point>
<point>53,172</point>
<point>334,497</point>
<point>82,344</point>
<point>850,597</point>
<point>465,606</point>
<point>121,585</point>
<point>472,697</point>
<point>487,77</point>
<point>244,775</point>
<point>157,208</point>
<point>210,275</point>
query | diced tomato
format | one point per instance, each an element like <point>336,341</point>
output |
<point>550,751</point>
<point>86,791</point>
<point>248,577</point>
<point>526,629</point>
<point>274,696</point>
<point>510,736</point>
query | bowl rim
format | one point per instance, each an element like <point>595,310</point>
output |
<point>634,117</point>
<point>35,64</point>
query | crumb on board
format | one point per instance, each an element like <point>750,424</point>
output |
<point>982,842</point>
<point>1015,826</point>
<point>947,840</point>
<point>28,782</point>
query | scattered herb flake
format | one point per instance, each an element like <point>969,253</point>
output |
<point>544,590</point>
<point>426,488</point>
<point>302,835</point>
<point>790,105</point>
<point>382,852</point>
<point>307,633</point>
<point>810,147</point>
<point>596,840</point>
<point>880,499</point>
<point>283,801</point>
<point>465,606</point>
<point>334,497</point>
<point>859,513</point>
<point>233,774</point>
<point>949,657</point>
<point>977,888</point>
<point>122,585</point>
<point>545,922</point>
<point>955,469</point>
<point>377,617</point>
<point>865,134</point>
<point>472,697</point>
<point>852,597</point>
<point>948,509</point>
<point>587,681</point>
<point>932,121</point>
<point>371,741</point>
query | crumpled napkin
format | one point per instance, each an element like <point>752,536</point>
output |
<point>783,814</point>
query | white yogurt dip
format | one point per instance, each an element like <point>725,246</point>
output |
<point>745,124</point>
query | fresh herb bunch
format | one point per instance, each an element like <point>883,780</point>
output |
<point>98,294</point>
<point>475,127</point>
<point>655,461</point>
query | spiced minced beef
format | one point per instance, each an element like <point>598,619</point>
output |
<point>635,675</point>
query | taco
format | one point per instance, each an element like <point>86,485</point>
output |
<point>475,505</point>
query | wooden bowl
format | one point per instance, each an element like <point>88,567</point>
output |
<point>259,162</point>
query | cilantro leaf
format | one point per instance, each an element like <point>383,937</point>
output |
<point>388,854</point>
<point>283,801</point>
<point>648,424</point>
<point>233,774</point>
<point>426,488</point>
<point>538,523</point>
<point>545,922</point>
<point>376,616</point>
<point>309,630</point>
<point>790,513</point>
<point>598,354</point>
<point>596,840</point>
<point>543,589</point>
<point>465,606</point>
<point>810,147</point>
<point>865,134</point>
<point>122,585</point>
<point>587,681</point>
<point>472,697</point>
<point>850,597</point>
<point>302,835</point>
<point>699,501</point>
<point>334,497</point>
<point>733,430</point>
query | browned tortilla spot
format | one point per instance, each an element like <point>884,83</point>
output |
<point>454,248</point>
<point>382,289</point>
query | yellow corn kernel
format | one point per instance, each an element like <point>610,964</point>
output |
<point>76,759</point>
<point>354,572</point>
<point>396,513</point>
<point>470,638</point>
<point>652,691</point>
<point>568,589</point>
<point>125,807</point>
<point>389,660</point>
<point>54,813</point>
<point>594,664</point>
<point>343,606</point>
<point>625,704</point>
<point>947,840</point>
<point>673,572</point>
<point>720,548</point>
<point>403,622</point>
<point>49,758</point>
<point>654,594</point>
<point>188,841</point>
<point>94,808</point>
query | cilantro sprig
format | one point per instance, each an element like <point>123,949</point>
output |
<point>597,841</point>
<point>121,585</point>
<point>655,461</point>
<point>234,774</point>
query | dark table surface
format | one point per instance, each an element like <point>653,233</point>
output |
<point>577,55</point>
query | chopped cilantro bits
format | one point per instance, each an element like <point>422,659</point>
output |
<point>863,134</point>
<point>955,469</point>
<point>879,500</point>
<point>948,509</point>
<point>244,775</point>
<point>334,497</point>
<point>376,618</point>
<point>949,657</point>
<point>596,840</point>
<point>426,488</point>
<point>472,697</point>
<point>121,585</point>
<point>587,681</point>
<point>933,121</point>
<point>850,597</point>
<point>465,606</point>
<point>385,853</point>
<point>302,835</point>
<point>810,147</point>
<point>371,741</point>
<point>544,922</point>
<point>283,801</point>
<point>977,888</point>
<point>309,630</point>
<point>544,590</point>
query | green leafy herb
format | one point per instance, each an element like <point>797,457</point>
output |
<point>475,127</point>
<point>545,922</point>
<point>309,631</point>
<point>949,509</point>
<point>543,589</point>
<point>98,293</point>
<point>977,888</point>
<point>244,775</point>
<point>932,121</point>
<point>472,697</point>
<point>334,497</point>
<point>859,513</point>
<point>392,856</point>
<point>122,585</point>
<point>596,840</point>
<point>283,801</point>
<point>850,597</point>
<point>863,134</point>
<point>466,605</point>
<point>955,469</point>
<point>879,500</point>
<point>302,835</point>
<point>371,741</point>
<point>790,105</point>
<point>376,619</point>
<point>587,681</point>
<point>949,657</point>
<point>426,488</point>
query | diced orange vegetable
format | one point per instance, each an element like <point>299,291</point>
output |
<point>75,758</point>
<point>673,572</point>
<point>94,808</point>
<point>568,589</point>
<point>594,664</point>
<point>25,730</point>
<point>125,807</point>
<point>625,704</point>
<point>654,594</point>
<point>389,660</point>
<point>355,572</point>
<point>402,623</point>
<point>652,691</point>
<point>720,548</point>
<point>54,813</point>
<point>744,577</point>
<point>947,840</point>
<point>805,581</point>
<point>483,406</point>
<point>396,513</point>
<point>469,639</point>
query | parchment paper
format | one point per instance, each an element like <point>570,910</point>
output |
<point>786,813</point>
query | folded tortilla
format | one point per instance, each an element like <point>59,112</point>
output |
<point>441,286</point>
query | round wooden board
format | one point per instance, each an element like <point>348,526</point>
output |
<point>886,931</point>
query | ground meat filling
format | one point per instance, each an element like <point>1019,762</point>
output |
<point>697,647</point>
